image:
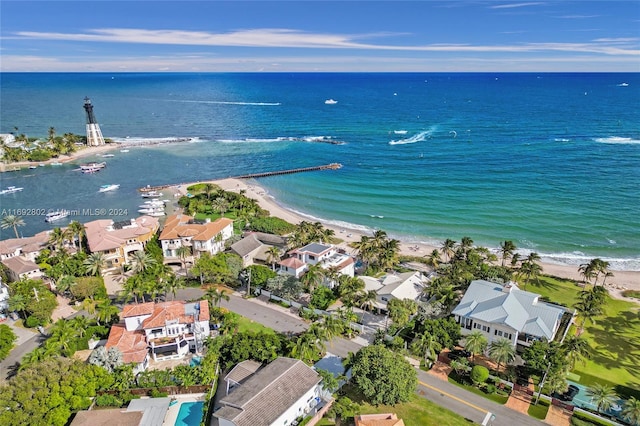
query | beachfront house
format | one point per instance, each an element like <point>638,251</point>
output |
<point>181,230</point>
<point>326,255</point>
<point>118,240</point>
<point>4,297</point>
<point>506,312</point>
<point>276,394</point>
<point>407,285</point>
<point>167,330</point>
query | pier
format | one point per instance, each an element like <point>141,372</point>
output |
<point>332,166</point>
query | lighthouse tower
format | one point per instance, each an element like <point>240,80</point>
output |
<point>94,134</point>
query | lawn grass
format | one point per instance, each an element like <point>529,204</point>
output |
<point>499,399</point>
<point>246,324</point>
<point>539,411</point>
<point>614,337</point>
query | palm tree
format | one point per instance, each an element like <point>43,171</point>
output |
<point>425,345</point>
<point>12,221</point>
<point>530,269</point>
<point>183,252</point>
<point>476,343</point>
<point>502,352</point>
<point>466,244</point>
<point>507,248</point>
<point>95,263</point>
<point>273,256</point>
<point>215,297</point>
<point>142,261</point>
<point>588,306</point>
<point>173,284</point>
<point>576,349</point>
<point>434,259</point>
<point>603,396</point>
<point>306,347</point>
<point>210,188</point>
<point>221,205</point>
<point>631,411</point>
<point>77,230</point>
<point>313,277</point>
<point>106,311</point>
<point>57,238</point>
<point>18,303</point>
<point>64,283</point>
<point>367,300</point>
<point>447,248</point>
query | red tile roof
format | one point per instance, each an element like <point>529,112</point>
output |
<point>181,225</point>
<point>132,344</point>
<point>292,262</point>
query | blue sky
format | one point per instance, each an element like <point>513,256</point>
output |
<point>270,36</point>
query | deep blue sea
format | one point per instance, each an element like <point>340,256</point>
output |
<point>550,161</point>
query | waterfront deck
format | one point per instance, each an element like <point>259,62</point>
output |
<point>332,166</point>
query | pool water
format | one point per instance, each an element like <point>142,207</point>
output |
<point>583,400</point>
<point>190,414</point>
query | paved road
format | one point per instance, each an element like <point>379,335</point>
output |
<point>10,363</point>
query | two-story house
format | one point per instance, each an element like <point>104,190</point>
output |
<point>506,312</point>
<point>181,230</point>
<point>407,285</point>
<point>118,240</point>
<point>326,255</point>
<point>167,330</point>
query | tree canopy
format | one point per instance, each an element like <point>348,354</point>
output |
<point>383,376</point>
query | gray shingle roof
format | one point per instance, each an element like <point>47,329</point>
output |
<point>246,245</point>
<point>520,310</point>
<point>266,395</point>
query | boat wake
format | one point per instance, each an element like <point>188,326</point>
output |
<point>420,137</point>
<point>618,140</point>
<point>232,103</point>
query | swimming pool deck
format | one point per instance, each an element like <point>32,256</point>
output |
<point>172,413</point>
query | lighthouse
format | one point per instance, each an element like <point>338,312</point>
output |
<point>94,134</point>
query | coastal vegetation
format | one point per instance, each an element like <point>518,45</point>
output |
<point>7,340</point>
<point>37,150</point>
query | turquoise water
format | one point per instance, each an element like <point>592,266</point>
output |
<point>583,400</point>
<point>550,161</point>
<point>190,414</point>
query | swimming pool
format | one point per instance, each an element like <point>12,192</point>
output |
<point>190,414</point>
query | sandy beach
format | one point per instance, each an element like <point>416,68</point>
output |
<point>620,281</point>
<point>81,153</point>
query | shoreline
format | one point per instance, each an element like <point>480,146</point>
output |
<point>622,280</point>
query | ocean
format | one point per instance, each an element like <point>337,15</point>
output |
<point>550,161</point>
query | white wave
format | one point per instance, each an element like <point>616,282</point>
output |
<point>376,216</point>
<point>233,103</point>
<point>154,141</point>
<point>400,132</point>
<point>562,140</point>
<point>618,140</point>
<point>578,258</point>
<point>419,137</point>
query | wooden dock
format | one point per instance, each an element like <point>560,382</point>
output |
<point>332,166</point>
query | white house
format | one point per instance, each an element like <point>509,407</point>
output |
<point>326,255</point>
<point>255,246</point>
<point>27,247</point>
<point>407,285</point>
<point>4,297</point>
<point>167,330</point>
<point>181,230</point>
<point>506,312</point>
<point>274,395</point>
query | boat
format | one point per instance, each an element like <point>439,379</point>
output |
<point>151,205</point>
<point>11,190</point>
<point>400,132</point>
<point>124,150</point>
<point>151,194</point>
<point>112,187</point>
<point>93,165</point>
<point>156,214</point>
<point>56,215</point>
<point>94,170</point>
<point>33,167</point>
<point>330,102</point>
<point>56,163</point>
<point>623,85</point>
<point>150,211</point>
<point>107,155</point>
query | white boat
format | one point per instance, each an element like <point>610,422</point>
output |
<point>94,170</point>
<point>112,187</point>
<point>151,194</point>
<point>56,163</point>
<point>150,211</point>
<point>11,190</point>
<point>156,214</point>
<point>623,85</point>
<point>107,155</point>
<point>56,215</point>
<point>152,204</point>
<point>33,167</point>
<point>400,132</point>
<point>330,102</point>
<point>124,150</point>
<point>93,165</point>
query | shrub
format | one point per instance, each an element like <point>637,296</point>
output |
<point>32,321</point>
<point>108,401</point>
<point>156,393</point>
<point>490,389</point>
<point>7,339</point>
<point>479,374</point>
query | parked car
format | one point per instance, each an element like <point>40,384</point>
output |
<point>458,353</point>
<point>568,396</point>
